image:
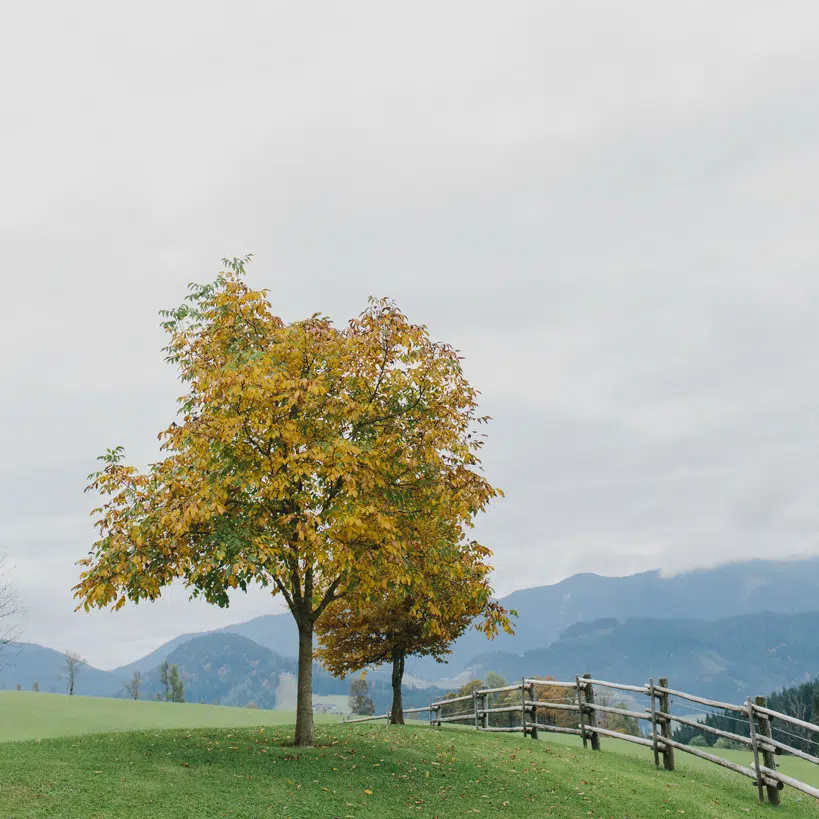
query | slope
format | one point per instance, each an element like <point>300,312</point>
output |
<point>367,773</point>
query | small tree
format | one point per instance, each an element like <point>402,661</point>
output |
<point>35,686</point>
<point>557,695</point>
<point>19,687</point>
<point>9,609</point>
<point>360,702</point>
<point>494,680</point>
<point>73,665</point>
<point>176,686</point>
<point>132,687</point>
<point>622,723</point>
<point>165,679</point>
<point>444,589</point>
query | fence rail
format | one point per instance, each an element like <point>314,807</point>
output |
<point>659,738</point>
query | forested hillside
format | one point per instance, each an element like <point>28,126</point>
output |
<point>726,659</point>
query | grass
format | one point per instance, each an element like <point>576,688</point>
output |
<point>792,766</point>
<point>362,771</point>
<point>26,715</point>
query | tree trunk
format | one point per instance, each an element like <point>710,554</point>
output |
<point>304,700</point>
<point>397,712</point>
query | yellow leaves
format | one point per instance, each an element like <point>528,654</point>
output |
<point>345,454</point>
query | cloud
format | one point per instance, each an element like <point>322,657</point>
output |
<point>609,209</point>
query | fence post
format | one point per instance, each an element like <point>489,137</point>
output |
<point>591,715</point>
<point>430,713</point>
<point>768,755</point>
<point>523,706</point>
<point>475,698</point>
<point>652,695</point>
<point>484,706</point>
<point>665,707</point>
<point>533,729</point>
<point>754,747</point>
<point>580,708</point>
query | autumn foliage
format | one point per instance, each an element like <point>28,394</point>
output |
<point>300,457</point>
<point>447,592</point>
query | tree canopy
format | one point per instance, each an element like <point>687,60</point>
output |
<point>298,459</point>
<point>448,591</point>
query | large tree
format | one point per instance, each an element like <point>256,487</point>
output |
<point>293,462</point>
<point>445,590</point>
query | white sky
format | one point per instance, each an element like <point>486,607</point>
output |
<point>611,210</point>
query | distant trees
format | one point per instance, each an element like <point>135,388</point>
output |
<point>563,696</point>
<point>132,687</point>
<point>74,663</point>
<point>297,462</point>
<point>171,682</point>
<point>35,686</point>
<point>622,723</point>
<point>801,701</point>
<point>360,702</point>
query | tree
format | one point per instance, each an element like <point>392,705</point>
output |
<point>165,679</point>
<point>297,454</point>
<point>446,589</point>
<point>558,695</point>
<point>19,687</point>
<point>9,609</point>
<point>622,723</point>
<point>133,686</point>
<point>35,686</point>
<point>494,680</point>
<point>360,701</point>
<point>73,665</point>
<point>175,685</point>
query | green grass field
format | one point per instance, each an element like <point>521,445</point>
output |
<point>790,765</point>
<point>365,770</point>
<point>26,715</point>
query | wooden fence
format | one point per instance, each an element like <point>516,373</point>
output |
<point>579,698</point>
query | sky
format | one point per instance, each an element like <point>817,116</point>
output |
<point>610,209</point>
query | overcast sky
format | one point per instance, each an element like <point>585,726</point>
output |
<point>610,208</point>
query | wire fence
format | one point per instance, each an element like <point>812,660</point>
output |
<point>541,701</point>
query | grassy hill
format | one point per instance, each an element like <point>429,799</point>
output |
<point>238,762</point>
<point>25,715</point>
<point>375,772</point>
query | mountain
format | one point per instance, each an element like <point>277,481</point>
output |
<point>544,612</point>
<point>726,659</point>
<point>224,669</point>
<point>276,632</point>
<point>26,663</point>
